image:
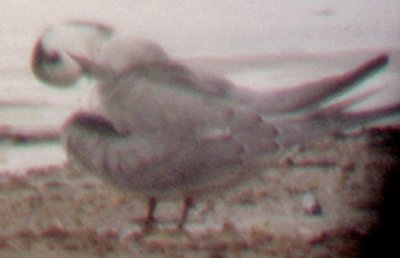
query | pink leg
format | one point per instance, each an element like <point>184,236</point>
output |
<point>152,205</point>
<point>187,204</point>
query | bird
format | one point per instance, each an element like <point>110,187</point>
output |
<point>163,130</point>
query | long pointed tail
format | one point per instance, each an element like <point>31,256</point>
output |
<point>369,116</point>
<point>328,121</point>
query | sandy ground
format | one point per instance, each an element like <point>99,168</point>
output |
<point>326,199</point>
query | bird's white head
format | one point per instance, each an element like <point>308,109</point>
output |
<point>54,55</point>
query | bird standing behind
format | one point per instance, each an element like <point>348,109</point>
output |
<point>166,131</point>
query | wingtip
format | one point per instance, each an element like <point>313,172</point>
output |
<point>367,69</point>
<point>380,60</point>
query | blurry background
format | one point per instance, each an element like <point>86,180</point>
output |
<point>290,43</point>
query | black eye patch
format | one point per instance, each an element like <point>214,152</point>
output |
<point>41,56</point>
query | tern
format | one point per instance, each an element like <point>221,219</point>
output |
<point>164,130</point>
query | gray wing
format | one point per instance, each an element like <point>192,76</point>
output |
<point>302,97</point>
<point>167,98</point>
